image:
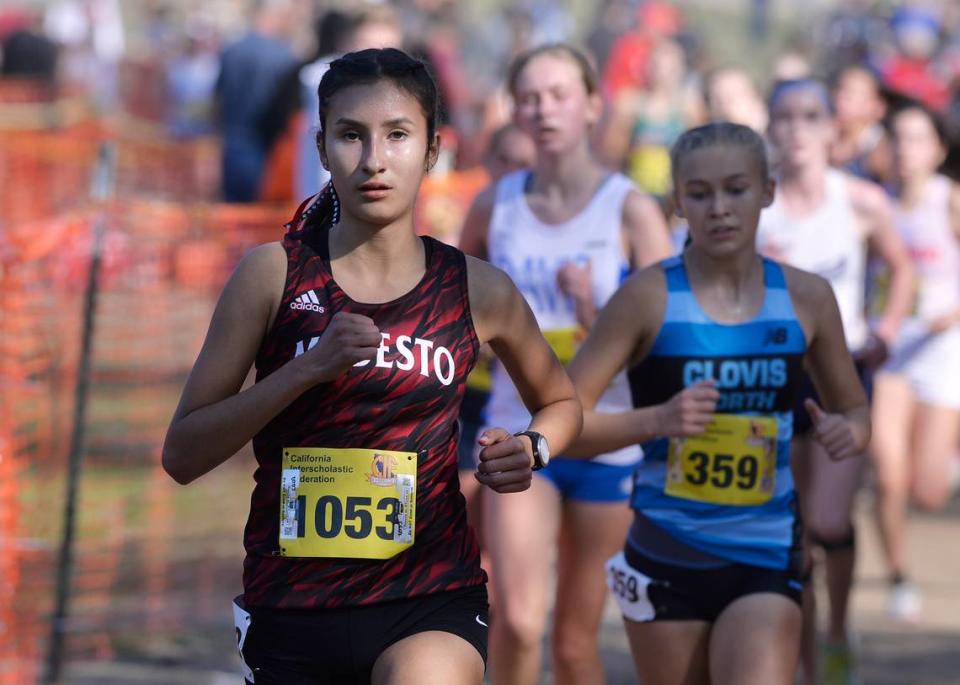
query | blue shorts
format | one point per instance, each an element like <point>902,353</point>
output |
<point>589,481</point>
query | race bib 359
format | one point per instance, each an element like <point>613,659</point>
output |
<point>733,462</point>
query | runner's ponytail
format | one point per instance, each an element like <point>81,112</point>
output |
<point>319,216</point>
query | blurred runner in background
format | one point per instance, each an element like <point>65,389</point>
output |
<point>824,220</point>
<point>567,232</point>
<point>645,122</point>
<point>730,94</point>
<point>861,145</point>
<point>916,405</point>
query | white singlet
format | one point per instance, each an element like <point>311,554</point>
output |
<point>930,362</point>
<point>827,242</point>
<point>532,252</point>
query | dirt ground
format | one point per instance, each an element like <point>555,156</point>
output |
<point>889,654</point>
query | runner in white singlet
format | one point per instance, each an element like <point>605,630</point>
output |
<point>824,220</point>
<point>535,253</point>
<point>917,395</point>
<point>567,232</point>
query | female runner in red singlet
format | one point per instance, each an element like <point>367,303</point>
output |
<point>360,565</point>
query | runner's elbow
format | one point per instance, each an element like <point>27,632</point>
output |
<point>576,419</point>
<point>175,463</point>
<point>577,411</point>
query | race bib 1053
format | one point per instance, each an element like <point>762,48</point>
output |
<point>347,503</point>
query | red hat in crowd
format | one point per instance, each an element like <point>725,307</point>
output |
<point>13,19</point>
<point>660,18</point>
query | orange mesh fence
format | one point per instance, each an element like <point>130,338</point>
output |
<point>44,173</point>
<point>38,356</point>
<point>150,164</point>
<point>155,564</point>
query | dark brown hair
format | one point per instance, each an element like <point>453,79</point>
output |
<point>365,67</point>
<point>369,66</point>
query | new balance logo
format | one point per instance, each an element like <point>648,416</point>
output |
<point>775,336</point>
<point>307,301</point>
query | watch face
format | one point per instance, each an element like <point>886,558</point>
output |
<point>544,450</point>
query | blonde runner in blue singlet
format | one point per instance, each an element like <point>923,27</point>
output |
<point>714,341</point>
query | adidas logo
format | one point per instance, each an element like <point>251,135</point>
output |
<point>307,301</point>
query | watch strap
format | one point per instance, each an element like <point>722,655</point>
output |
<point>535,439</point>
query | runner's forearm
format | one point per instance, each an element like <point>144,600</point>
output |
<point>605,432</point>
<point>559,422</point>
<point>859,420</point>
<point>586,313</point>
<point>206,437</point>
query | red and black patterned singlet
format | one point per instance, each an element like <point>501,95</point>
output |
<point>406,399</point>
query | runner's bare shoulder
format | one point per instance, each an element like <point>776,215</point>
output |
<point>637,309</point>
<point>644,294</point>
<point>486,198</point>
<point>812,295</point>
<point>258,282</point>
<point>476,225</point>
<point>492,292</point>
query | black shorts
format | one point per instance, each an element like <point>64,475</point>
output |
<point>316,647</point>
<point>801,419</point>
<point>681,593</point>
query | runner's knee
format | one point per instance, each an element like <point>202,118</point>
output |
<point>835,538</point>
<point>572,648</point>
<point>931,496</point>
<point>890,482</point>
<point>521,625</point>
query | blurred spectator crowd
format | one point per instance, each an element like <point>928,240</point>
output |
<point>245,73</point>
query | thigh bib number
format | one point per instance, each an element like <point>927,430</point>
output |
<point>347,503</point>
<point>630,588</point>
<point>734,462</point>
